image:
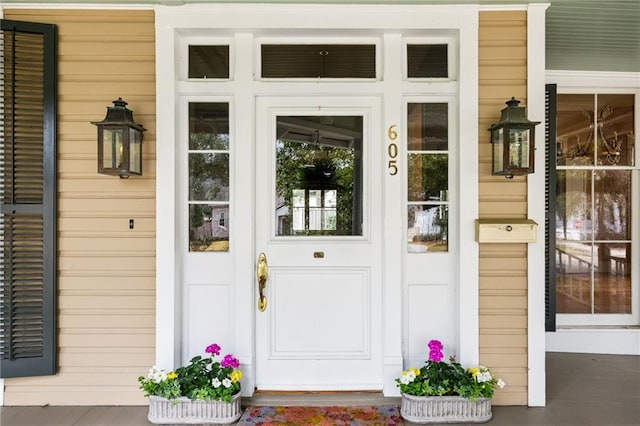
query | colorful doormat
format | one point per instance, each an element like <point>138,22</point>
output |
<point>383,415</point>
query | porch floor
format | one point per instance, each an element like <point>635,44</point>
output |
<point>582,389</point>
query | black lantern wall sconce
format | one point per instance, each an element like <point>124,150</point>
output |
<point>119,142</point>
<point>513,140</point>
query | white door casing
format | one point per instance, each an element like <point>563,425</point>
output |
<point>227,304</point>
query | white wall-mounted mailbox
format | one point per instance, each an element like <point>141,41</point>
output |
<point>506,230</point>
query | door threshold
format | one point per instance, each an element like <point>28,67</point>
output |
<point>319,398</point>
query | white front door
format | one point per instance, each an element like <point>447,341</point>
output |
<point>316,186</point>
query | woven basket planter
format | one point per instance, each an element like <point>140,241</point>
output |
<point>189,411</point>
<point>445,409</point>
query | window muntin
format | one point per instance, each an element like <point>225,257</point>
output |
<point>318,61</point>
<point>208,160</point>
<point>427,177</point>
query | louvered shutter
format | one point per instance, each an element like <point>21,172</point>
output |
<point>28,195</point>
<point>550,204</point>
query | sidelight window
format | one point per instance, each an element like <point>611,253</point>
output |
<point>208,177</point>
<point>428,177</point>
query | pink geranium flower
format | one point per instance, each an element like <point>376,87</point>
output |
<point>214,349</point>
<point>230,361</point>
<point>435,350</point>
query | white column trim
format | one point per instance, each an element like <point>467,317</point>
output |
<point>168,317</point>
<point>535,207</point>
<point>468,264</point>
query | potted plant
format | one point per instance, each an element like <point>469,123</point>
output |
<point>446,392</point>
<point>203,391</point>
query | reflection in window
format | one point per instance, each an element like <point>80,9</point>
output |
<point>319,175</point>
<point>595,129</point>
<point>208,61</point>
<point>318,60</point>
<point>207,228</point>
<point>427,177</point>
<point>593,234</point>
<point>427,61</point>
<point>314,210</point>
<point>208,158</point>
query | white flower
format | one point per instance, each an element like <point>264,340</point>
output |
<point>227,382</point>
<point>156,374</point>
<point>501,383</point>
<point>484,376</point>
<point>407,377</point>
<point>215,382</point>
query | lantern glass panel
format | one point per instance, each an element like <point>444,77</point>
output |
<point>497,136</point>
<point>112,148</point>
<point>135,151</point>
<point>518,148</point>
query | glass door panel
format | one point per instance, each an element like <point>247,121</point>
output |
<point>319,175</point>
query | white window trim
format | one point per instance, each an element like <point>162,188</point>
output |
<point>452,56</point>
<point>597,335</point>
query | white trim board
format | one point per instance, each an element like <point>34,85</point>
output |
<point>617,341</point>
<point>535,207</point>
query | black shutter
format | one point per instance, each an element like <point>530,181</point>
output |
<point>550,204</point>
<point>28,197</point>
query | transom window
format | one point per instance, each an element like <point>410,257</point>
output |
<point>318,60</point>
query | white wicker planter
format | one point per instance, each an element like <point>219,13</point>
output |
<point>445,409</point>
<point>188,411</point>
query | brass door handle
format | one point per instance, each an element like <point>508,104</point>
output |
<point>262,272</point>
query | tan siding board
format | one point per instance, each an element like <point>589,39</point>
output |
<point>498,321</point>
<point>105,321</point>
<point>106,284</point>
<point>502,267</point>
<point>495,283</point>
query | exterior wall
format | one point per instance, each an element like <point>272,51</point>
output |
<point>502,267</point>
<point>106,272</point>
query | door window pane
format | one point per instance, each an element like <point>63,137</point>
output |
<point>319,175</point>
<point>318,60</point>
<point>208,180</point>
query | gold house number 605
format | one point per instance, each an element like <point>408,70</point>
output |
<point>392,150</point>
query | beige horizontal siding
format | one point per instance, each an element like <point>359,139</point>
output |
<point>503,267</point>
<point>106,271</point>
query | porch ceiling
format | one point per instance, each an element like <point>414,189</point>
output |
<point>588,35</point>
